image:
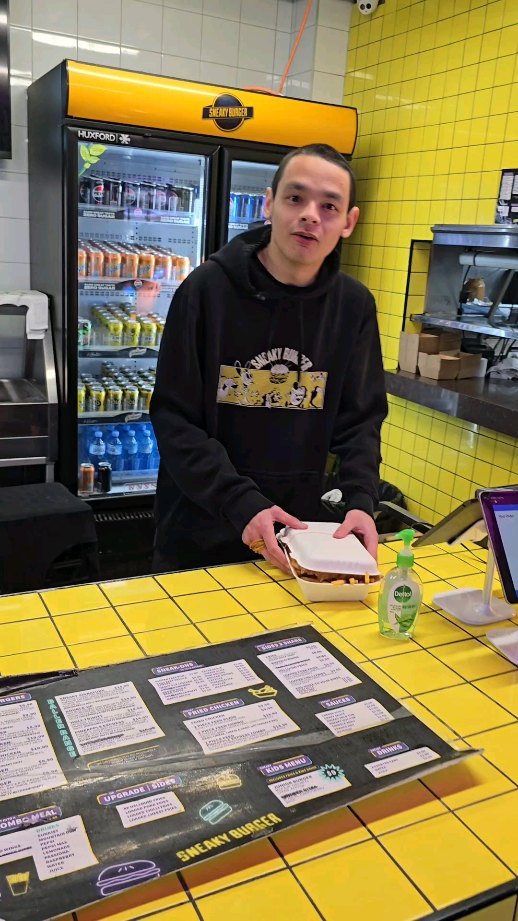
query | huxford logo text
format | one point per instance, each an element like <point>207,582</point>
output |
<point>228,112</point>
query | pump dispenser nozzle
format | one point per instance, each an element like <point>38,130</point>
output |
<point>405,556</point>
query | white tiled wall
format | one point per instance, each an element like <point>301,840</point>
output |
<point>233,42</point>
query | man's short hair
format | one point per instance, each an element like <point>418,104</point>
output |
<point>325,152</point>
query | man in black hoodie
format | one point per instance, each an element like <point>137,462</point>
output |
<point>270,359</point>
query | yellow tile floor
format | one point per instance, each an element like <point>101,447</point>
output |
<point>422,848</point>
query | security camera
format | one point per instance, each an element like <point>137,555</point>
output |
<point>367,7</point>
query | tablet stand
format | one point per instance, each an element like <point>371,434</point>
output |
<point>473,606</point>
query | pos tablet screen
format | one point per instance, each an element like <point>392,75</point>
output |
<point>451,528</point>
<point>500,510</point>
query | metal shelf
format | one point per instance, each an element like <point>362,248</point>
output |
<point>468,325</point>
<point>122,489</point>
<point>114,351</point>
<point>144,215</point>
<point>125,416</point>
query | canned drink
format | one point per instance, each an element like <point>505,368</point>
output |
<point>145,394</point>
<point>232,207</point>
<point>130,398</point>
<point>148,333</point>
<point>113,398</point>
<point>95,261</point>
<point>129,265</point>
<point>112,264</point>
<point>85,191</point>
<point>95,398</point>
<point>146,265</point>
<point>130,192</point>
<point>97,187</point>
<point>163,267</point>
<point>145,198</point>
<point>160,326</point>
<point>244,207</point>
<point>161,198</point>
<point>186,196</point>
<point>183,267</point>
<point>172,198</point>
<point>113,332</point>
<point>105,476</point>
<point>81,262</point>
<point>84,333</point>
<point>131,334</point>
<point>81,397</point>
<point>86,478</point>
<point>113,192</point>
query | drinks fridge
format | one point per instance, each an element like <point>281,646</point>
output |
<point>134,181</point>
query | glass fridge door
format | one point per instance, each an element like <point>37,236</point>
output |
<point>141,226</point>
<point>248,184</point>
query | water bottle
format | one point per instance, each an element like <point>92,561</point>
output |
<point>155,460</point>
<point>131,452</point>
<point>146,450</point>
<point>114,451</point>
<point>96,449</point>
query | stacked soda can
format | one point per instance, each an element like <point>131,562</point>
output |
<point>117,390</point>
<point>104,259</point>
<point>139,192</point>
<point>246,207</point>
<point>119,326</point>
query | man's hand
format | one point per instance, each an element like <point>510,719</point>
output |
<point>261,528</point>
<point>360,523</point>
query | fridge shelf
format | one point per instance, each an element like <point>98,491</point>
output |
<point>126,415</point>
<point>115,351</point>
<point>107,284</point>
<point>114,213</point>
<point>122,489</point>
<point>236,225</point>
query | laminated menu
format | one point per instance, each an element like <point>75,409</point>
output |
<point>120,775</point>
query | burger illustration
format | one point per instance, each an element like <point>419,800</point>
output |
<point>279,374</point>
<point>121,876</point>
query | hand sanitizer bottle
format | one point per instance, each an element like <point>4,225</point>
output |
<point>400,594</point>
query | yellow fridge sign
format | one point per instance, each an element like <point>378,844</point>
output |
<point>126,98</point>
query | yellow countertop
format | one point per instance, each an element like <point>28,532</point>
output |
<point>408,853</point>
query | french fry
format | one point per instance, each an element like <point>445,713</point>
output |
<point>338,582</point>
<point>367,578</point>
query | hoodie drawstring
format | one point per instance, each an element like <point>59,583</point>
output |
<point>301,342</point>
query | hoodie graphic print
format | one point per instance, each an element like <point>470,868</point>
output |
<point>306,359</point>
<point>272,380</point>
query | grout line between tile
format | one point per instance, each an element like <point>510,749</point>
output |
<point>391,858</point>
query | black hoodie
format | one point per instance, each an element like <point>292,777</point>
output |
<point>256,382</point>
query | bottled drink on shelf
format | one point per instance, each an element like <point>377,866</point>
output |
<point>114,451</point>
<point>130,453</point>
<point>145,454</point>
<point>96,449</point>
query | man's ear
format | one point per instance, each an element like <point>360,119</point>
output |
<point>352,220</point>
<point>268,202</point>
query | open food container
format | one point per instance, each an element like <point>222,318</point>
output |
<point>328,569</point>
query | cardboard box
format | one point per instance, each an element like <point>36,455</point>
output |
<point>449,340</point>
<point>439,367</point>
<point>471,365</point>
<point>410,344</point>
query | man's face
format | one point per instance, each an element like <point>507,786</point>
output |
<point>310,211</point>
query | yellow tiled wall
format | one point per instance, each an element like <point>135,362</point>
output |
<point>434,82</point>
